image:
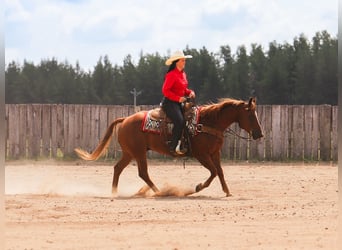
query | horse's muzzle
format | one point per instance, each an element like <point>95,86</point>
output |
<point>256,134</point>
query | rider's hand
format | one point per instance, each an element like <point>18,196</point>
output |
<point>182,99</point>
<point>192,95</point>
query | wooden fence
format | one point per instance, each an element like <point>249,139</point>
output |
<point>48,131</point>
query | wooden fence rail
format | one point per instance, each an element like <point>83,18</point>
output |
<point>292,132</point>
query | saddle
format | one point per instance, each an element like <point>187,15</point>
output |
<point>156,121</point>
<point>159,114</point>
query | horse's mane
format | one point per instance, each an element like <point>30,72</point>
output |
<point>210,111</point>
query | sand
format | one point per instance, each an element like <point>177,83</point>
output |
<point>58,205</point>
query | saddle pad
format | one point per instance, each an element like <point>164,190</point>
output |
<point>153,125</point>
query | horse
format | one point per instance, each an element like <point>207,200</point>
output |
<point>214,119</point>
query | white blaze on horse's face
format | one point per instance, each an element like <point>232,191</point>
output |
<point>255,125</point>
<point>256,116</point>
<point>250,121</point>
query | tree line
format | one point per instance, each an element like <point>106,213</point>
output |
<point>303,72</point>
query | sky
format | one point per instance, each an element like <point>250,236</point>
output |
<point>84,30</point>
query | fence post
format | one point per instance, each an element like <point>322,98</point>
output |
<point>325,119</point>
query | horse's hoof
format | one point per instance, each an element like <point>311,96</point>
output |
<point>142,191</point>
<point>113,196</point>
<point>158,194</point>
<point>229,195</point>
<point>199,187</point>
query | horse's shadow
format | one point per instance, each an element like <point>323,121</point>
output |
<point>167,193</point>
<point>163,198</point>
<point>197,197</point>
<point>168,198</point>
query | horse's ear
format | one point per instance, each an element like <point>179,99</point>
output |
<point>252,103</point>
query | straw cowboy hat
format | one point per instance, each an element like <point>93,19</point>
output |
<point>177,55</point>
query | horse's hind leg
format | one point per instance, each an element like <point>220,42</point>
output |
<point>207,162</point>
<point>143,173</point>
<point>122,163</point>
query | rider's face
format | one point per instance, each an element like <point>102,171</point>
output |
<point>180,64</point>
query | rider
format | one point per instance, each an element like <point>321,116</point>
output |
<point>175,90</point>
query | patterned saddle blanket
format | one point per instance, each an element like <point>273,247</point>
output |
<point>155,119</point>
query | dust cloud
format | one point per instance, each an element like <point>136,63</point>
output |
<point>42,180</point>
<point>52,186</point>
<point>48,180</point>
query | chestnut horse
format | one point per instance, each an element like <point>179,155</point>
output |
<point>214,119</point>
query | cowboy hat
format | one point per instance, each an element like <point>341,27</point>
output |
<point>176,56</point>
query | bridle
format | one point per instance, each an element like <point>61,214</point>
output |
<point>209,130</point>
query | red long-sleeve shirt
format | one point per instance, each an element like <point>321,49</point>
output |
<point>175,85</point>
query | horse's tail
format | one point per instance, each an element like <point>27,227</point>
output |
<point>102,145</point>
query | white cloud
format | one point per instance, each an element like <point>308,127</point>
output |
<point>85,30</point>
<point>15,12</point>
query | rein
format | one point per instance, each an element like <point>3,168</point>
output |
<point>232,132</point>
<point>200,128</point>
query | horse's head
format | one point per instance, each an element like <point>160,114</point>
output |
<point>248,119</point>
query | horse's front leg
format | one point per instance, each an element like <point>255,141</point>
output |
<point>217,161</point>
